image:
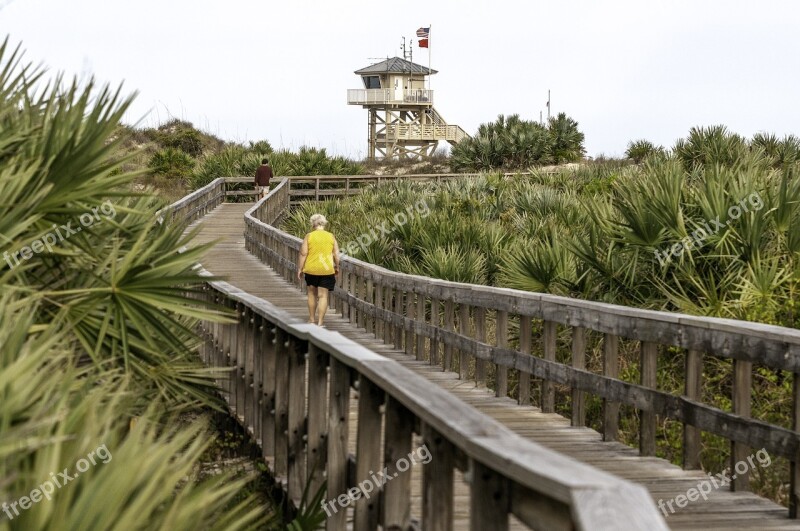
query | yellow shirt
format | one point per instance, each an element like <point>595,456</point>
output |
<point>320,253</point>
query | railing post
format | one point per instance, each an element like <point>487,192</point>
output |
<point>420,317</point>
<point>489,499</point>
<point>794,465</point>
<point>648,366</point>
<point>338,427</point>
<point>449,325</point>
<point>480,336</point>
<point>257,404</point>
<point>317,416</point>
<point>742,385</point>
<point>368,452</point>
<point>549,336</point>
<point>397,493</point>
<point>388,330</point>
<point>610,370</point>
<point>410,312</point>
<point>578,362</point>
<point>380,326</point>
<point>398,310</point>
<point>524,385</point>
<point>281,404</point>
<point>501,335</point>
<point>434,359</point>
<point>693,389</point>
<point>437,482</point>
<point>369,322</point>
<point>464,330</point>
<point>296,354</point>
<point>269,354</point>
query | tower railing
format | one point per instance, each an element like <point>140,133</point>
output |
<point>377,96</point>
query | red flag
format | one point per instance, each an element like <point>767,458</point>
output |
<point>423,43</point>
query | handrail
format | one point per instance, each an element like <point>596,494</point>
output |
<point>274,358</point>
<point>387,303</point>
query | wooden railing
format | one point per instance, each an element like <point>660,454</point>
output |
<point>451,133</point>
<point>451,324</point>
<point>290,386</point>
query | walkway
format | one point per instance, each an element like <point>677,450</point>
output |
<point>722,511</point>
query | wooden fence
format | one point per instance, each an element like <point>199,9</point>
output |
<point>448,323</point>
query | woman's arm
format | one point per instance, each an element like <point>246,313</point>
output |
<point>301,261</point>
<point>335,256</point>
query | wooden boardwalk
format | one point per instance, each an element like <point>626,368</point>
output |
<point>722,510</point>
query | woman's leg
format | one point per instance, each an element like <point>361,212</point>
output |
<point>322,304</point>
<point>312,303</point>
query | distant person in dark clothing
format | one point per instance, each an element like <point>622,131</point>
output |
<point>263,175</point>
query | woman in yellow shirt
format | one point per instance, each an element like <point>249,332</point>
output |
<point>319,261</point>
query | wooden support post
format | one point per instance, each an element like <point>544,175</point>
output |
<point>250,412</point>
<point>449,325</point>
<point>549,336</point>
<point>464,330</point>
<point>480,335</point>
<point>524,385</point>
<point>317,416</point>
<point>435,323</point>
<point>269,349</point>
<point>501,336</point>
<point>611,370</point>
<point>648,367</point>
<point>397,492</point>
<point>742,386</point>
<point>282,405</point>
<point>388,331</point>
<point>578,362</point>
<point>410,313</point>
<point>360,285</point>
<point>693,389</point>
<point>296,354</point>
<point>420,316</point>
<point>338,427</point>
<point>258,376</point>
<point>399,301</point>
<point>437,482</point>
<point>370,298</point>
<point>489,500</point>
<point>368,451</point>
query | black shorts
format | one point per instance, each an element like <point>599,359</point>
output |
<point>321,281</point>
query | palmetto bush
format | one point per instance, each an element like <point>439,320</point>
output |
<point>96,332</point>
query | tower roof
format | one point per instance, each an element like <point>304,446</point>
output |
<point>395,65</point>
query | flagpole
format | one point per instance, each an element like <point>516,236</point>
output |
<point>430,27</point>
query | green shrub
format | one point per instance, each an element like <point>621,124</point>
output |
<point>639,150</point>
<point>171,162</point>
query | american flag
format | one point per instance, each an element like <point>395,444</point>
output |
<point>423,33</point>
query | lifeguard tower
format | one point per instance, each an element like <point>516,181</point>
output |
<point>402,120</point>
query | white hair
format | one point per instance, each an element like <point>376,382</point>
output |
<point>318,220</point>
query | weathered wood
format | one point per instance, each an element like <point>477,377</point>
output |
<point>449,324</point>
<point>368,454</point>
<point>578,417</point>
<point>410,312</point>
<point>317,453</point>
<point>269,350</point>
<point>490,500</point>
<point>742,384</point>
<point>648,366</point>
<point>338,431</point>
<point>464,330</point>
<point>434,354</point>
<point>437,482</point>
<point>397,446</point>
<point>610,370</point>
<point>420,315</point>
<point>282,404</point>
<point>549,336</point>
<point>399,301</point>
<point>693,388</point>
<point>388,331</point>
<point>501,340</point>
<point>524,385</point>
<point>539,513</point>
<point>480,336</point>
<point>370,294</point>
<point>296,461</point>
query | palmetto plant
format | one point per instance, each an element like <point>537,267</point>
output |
<point>96,330</point>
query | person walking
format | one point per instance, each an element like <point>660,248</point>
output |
<point>263,175</point>
<point>319,261</point>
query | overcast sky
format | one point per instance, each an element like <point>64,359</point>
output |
<point>247,70</point>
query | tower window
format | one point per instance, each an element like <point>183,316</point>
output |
<point>371,82</point>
